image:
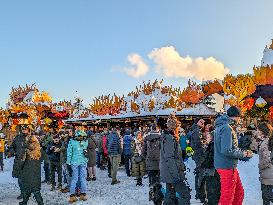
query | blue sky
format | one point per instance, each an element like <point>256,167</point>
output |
<point>83,45</point>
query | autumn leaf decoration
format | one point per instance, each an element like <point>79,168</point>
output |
<point>192,94</point>
<point>211,88</point>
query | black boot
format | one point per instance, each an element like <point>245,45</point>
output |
<point>38,197</point>
<point>157,195</point>
<point>139,182</point>
<point>20,197</point>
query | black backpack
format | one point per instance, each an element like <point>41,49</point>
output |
<point>153,149</point>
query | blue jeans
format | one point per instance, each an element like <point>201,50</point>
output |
<point>79,172</point>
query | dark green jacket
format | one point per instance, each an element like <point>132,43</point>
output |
<point>17,149</point>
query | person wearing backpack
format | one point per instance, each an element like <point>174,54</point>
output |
<point>151,152</point>
<point>127,151</point>
<point>114,151</point>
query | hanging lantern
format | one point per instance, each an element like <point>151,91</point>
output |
<point>260,102</point>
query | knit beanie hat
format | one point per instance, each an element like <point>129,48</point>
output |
<point>172,122</point>
<point>234,112</point>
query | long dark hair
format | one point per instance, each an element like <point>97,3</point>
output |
<point>264,127</point>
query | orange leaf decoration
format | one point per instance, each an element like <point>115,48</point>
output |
<point>247,104</point>
<point>263,75</point>
<point>239,86</point>
<point>192,94</point>
<point>212,88</point>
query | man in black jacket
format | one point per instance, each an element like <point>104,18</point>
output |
<point>17,149</point>
<point>198,156</point>
<point>54,155</point>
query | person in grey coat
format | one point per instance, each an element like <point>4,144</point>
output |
<point>196,138</point>
<point>172,166</point>
<point>151,152</point>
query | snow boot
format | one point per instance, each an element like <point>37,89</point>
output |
<point>60,187</point>
<point>20,197</point>
<point>156,194</point>
<point>94,178</point>
<point>52,188</point>
<point>72,199</point>
<point>139,182</point>
<point>83,197</point>
<point>65,190</point>
<point>115,182</point>
<point>88,179</point>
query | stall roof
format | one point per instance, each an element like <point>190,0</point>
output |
<point>197,110</point>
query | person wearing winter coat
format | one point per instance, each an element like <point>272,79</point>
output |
<point>105,152</point>
<point>138,163</point>
<point>98,154</point>
<point>265,163</point>
<point>114,152</point>
<point>172,167</point>
<point>45,140</point>
<point>127,151</point>
<point>196,139</point>
<point>77,159</point>
<point>30,170</point>
<point>91,151</point>
<point>2,150</point>
<point>67,171</point>
<point>226,156</point>
<point>183,141</point>
<point>210,177</point>
<point>17,149</point>
<point>151,152</point>
<point>54,154</point>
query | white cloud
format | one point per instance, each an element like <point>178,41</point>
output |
<point>138,67</point>
<point>169,63</point>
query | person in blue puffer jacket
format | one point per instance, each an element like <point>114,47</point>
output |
<point>114,151</point>
<point>77,158</point>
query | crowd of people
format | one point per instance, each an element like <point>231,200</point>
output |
<point>74,154</point>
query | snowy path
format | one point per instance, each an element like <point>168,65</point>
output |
<point>126,193</point>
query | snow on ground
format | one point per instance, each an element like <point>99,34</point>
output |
<point>126,193</point>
